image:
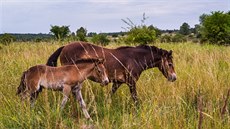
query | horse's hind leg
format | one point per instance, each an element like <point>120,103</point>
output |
<point>34,96</point>
<point>66,92</point>
<point>78,95</point>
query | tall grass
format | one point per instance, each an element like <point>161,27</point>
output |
<point>203,71</point>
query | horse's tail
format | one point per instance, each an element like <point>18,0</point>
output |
<point>52,61</point>
<point>22,86</point>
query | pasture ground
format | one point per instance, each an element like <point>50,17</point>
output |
<point>198,94</point>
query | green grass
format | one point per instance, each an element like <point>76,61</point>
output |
<point>202,70</point>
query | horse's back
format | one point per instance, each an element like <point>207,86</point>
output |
<point>78,50</point>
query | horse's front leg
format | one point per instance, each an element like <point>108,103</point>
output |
<point>66,92</point>
<point>115,86</point>
<point>133,91</point>
<point>78,95</point>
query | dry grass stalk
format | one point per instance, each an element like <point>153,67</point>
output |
<point>224,108</point>
<point>200,108</point>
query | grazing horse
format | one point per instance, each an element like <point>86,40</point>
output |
<point>65,78</point>
<point>123,64</point>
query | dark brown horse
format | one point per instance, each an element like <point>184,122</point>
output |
<point>65,78</point>
<point>124,64</point>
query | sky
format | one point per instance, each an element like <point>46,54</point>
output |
<point>37,16</point>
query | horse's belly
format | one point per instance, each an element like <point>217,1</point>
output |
<point>52,85</point>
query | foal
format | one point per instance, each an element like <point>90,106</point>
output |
<point>65,78</point>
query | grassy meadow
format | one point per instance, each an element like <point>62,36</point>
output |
<point>198,94</point>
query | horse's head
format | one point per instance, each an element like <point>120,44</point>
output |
<point>166,65</point>
<point>101,72</point>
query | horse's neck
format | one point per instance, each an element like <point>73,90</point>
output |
<point>85,68</point>
<point>150,60</point>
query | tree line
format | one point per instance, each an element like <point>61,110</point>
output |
<point>213,28</point>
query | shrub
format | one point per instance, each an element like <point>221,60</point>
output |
<point>141,35</point>
<point>165,38</point>
<point>178,38</point>
<point>100,39</point>
<point>216,27</point>
<point>6,39</point>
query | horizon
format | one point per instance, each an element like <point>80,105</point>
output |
<point>100,16</point>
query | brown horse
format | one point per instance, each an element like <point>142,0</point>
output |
<point>66,78</point>
<point>124,64</point>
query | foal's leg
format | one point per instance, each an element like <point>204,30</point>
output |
<point>78,95</point>
<point>66,91</point>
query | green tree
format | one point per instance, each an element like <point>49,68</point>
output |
<point>197,31</point>
<point>100,39</point>
<point>202,18</point>
<point>81,34</point>
<point>6,39</point>
<point>184,29</point>
<point>216,28</point>
<point>60,32</point>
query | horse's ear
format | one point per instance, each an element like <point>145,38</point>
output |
<point>170,52</point>
<point>160,52</point>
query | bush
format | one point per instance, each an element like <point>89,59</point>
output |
<point>141,35</point>
<point>216,27</point>
<point>178,38</point>
<point>100,39</point>
<point>165,39</point>
<point>6,39</point>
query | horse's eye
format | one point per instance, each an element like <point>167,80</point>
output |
<point>170,64</point>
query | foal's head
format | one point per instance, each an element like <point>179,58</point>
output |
<point>100,72</point>
<point>166,65</point>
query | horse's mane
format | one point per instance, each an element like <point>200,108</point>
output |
<point>140,46</point>
<point>123,47</point>
<point>146,47</point>
<point>153,48</point>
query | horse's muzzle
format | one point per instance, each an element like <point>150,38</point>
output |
<point>172,77</point>
<point>105,82</point>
